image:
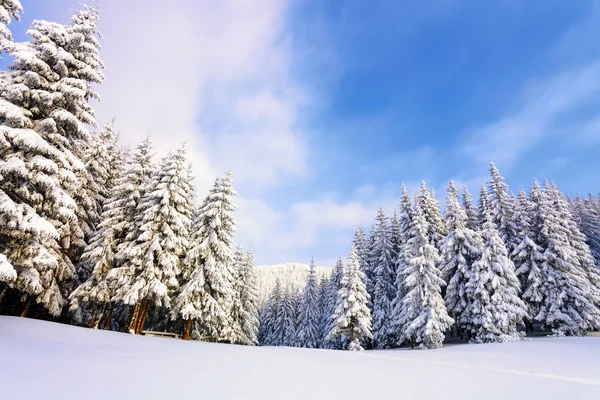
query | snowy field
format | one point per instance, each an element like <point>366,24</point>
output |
<point>42,360</point>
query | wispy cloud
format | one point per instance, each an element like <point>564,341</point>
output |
<point>507,140</point>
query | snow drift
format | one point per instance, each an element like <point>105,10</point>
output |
<point>53,361</point>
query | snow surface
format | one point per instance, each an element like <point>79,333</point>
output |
<point>53,361</point>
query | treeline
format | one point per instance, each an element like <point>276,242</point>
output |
<point>486,273</point>
<point>92,234</point>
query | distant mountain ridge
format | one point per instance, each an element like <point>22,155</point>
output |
<point>292,275</point>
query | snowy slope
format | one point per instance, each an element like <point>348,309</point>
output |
<point>290,274</point>
<point>52,361</point>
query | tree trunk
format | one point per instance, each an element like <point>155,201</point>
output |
<point>133,318</point>
<point>187,329</point>
<point>109,316</point>
<point>26,309</point>
<point>412,342</point>
<point>93,319</point>
<point>142,317</point>
<point>100,316</point>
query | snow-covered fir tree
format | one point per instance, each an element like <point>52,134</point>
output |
<point>423,317</point>
<point>396,238</point>
<point>493,289</point>
<point>308,318</point>
<point>482,206</point>
<point>153,259</point>
<point>44,115</point>
<point>459,250</point>
<point>527,255</point>
<point>404,255</point>
<point>237,311</point>
<point>436,228</point>
<point>361,244</point>
<point>286,329</point>
<point>208,296</point>
<point>249,295</point>
<point>9,9</point>
<point>352,318</point>
<point>330,302</point>
<point>382,262</point>
<point>501,209</point>
<point>269,329</point>
<point>565,308</point>
<point>467,203</point>
<point>577,239</point>
<point>244,308</point>
<point>588,220</point>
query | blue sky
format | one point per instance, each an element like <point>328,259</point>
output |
<point>323,109</point>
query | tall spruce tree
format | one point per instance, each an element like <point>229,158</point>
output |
<point>423,317</point>
<point>165,212</point>
<point>436,228</point>
<point>207,297</point>
<point>352,318</point>
<point>271,332</point>
<point>249,295</point>
<point>333,287</point>
<point>577,239</point>
<point>501,209</point>
<point>482,207</point>
<point>396,238</point>
<point>459,250</point>
<point>528,255</point>
<point>404,256</point>
<point>44,115</point>
<point>382,261</point>
<point>494,309</point>
<point>308,318</point>
<point>467,203</point>
<point>565,307</point>
<point>588,220</point>
<point>361,244</point>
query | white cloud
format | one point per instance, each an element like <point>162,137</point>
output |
<point>168,65</point>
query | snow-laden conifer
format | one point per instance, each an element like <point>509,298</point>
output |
<point>493,289</point>
<point>352,318</point>
<point>249,294</point>
<point>9,9</point>
<point>155,255</point>
<point>42,117</point>
<point>332,289</point>
<point>565,307</point>
<point>396,238</point>
<point>588,220</point>
<point>436,228</point>
<point>208,296</point>
<point>270,330</point>
<point>577,239</point>
<point>245,302</point>
<point>382,261</point>
<point>404,255</point>
<point>308,319</point>
<point>501,208</point>
<point>527,255</point>
<point>286,320</point>
<point>424,317</point>
<point>459,250</point>
<point>361,244</point>
<point>467,203</point>
<point>482,206</point>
